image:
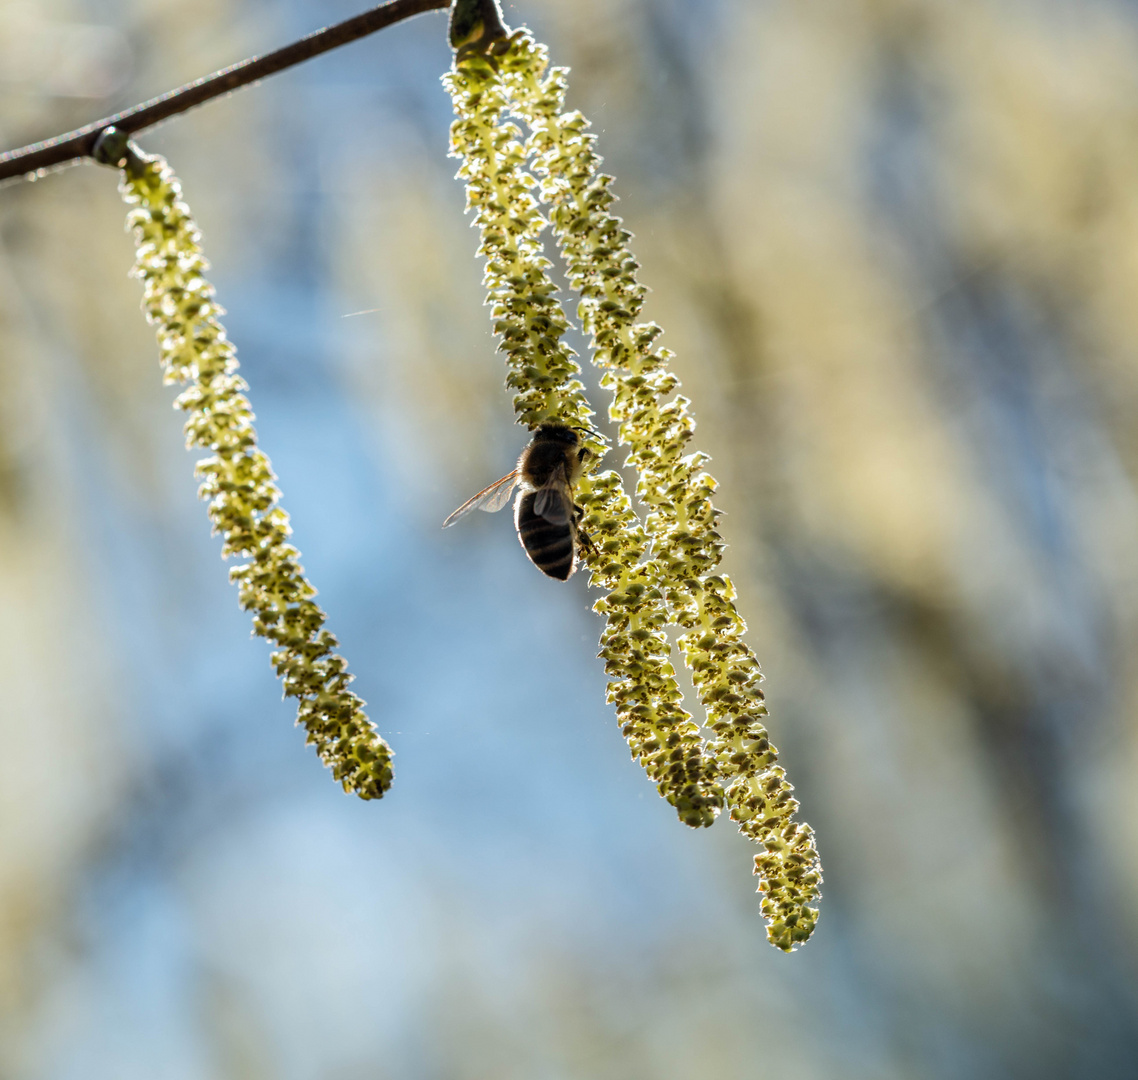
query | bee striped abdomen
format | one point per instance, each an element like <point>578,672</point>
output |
<point>550,546</point>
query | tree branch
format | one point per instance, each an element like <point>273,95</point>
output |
<point>33,161</point>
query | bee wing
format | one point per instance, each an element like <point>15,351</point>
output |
<point>554,501</point>
<point>489,499</point>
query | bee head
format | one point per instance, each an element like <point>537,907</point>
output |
<point>555,433</point>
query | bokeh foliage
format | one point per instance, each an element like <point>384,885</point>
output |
<point>892,245</point>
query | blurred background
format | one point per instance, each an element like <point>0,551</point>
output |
<point>895,246</point>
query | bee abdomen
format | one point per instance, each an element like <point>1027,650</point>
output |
<point>548,545</point>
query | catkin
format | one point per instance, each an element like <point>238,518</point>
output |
<point>530,324</point>
<point>237,478</point>
<point>656,424</point>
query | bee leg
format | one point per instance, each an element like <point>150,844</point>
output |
<point>583,538</point>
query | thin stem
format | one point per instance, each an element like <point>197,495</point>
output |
<point>31,161</point>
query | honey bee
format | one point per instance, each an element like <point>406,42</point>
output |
<point>546,517</point>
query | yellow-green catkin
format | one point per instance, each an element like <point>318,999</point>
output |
<point>530,323</point>
<point>238,480</point>
<point>682,522</point>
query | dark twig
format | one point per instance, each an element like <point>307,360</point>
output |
<point>32,161</point>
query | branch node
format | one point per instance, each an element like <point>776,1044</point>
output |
<point>475,25</point>
<point>114,147</point>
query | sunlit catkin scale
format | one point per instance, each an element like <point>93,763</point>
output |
<point>530,323</point>
<point>685,544</point>
<point>239,483</point>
